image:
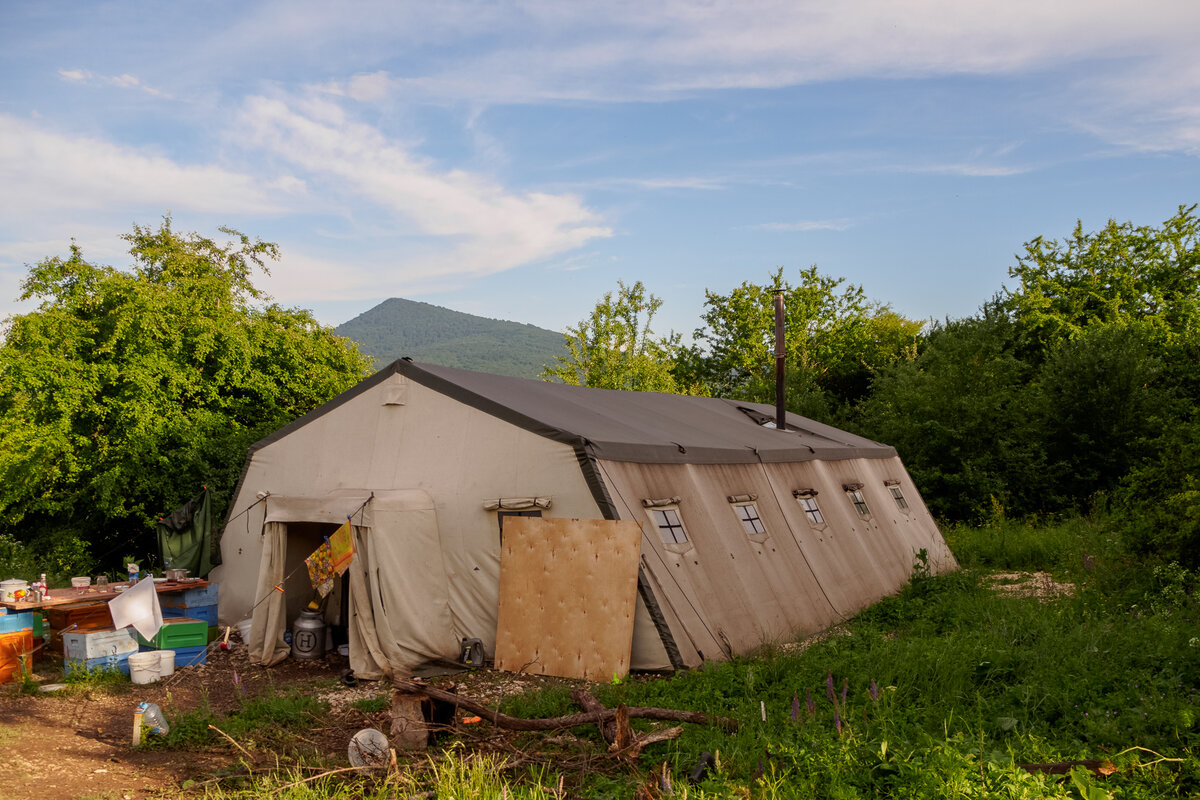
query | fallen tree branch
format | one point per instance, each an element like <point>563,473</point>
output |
<point>633,750</point>
<point>569,721</point>
<point>233,742</point>
<point>585,700</point>
<point>1101,769</point>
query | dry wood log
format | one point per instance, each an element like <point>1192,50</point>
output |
<point>1099,768</point>
<point>624,731</point>
<point>633,750</point>
<point>409,729</point>
<point>585,700</point>
<point>569,721</point>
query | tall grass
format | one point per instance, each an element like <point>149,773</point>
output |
<point>970,682</point>
<point>941,691</point>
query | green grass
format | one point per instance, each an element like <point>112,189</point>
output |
<point>88,681</point>
<point>268,721</point>
<point>372,705</point>
<point>941,691</point>
<point>971,683</point>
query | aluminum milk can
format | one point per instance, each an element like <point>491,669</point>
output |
<point>308,635</point>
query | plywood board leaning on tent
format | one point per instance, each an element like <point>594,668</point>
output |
<point>568,592</point>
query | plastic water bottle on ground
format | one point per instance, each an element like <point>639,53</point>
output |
<point>152,718</point>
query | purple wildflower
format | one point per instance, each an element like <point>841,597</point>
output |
<point>874,690</point>
<point>837,721</point>
<point>829,689</point>
<point>845,690</point>
<point>809,703</point>
<point>664,782</point>
<point>795,706</point>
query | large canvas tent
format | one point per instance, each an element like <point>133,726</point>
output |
<point>750,534</point>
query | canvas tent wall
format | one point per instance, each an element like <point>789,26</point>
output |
<point>468,440</point>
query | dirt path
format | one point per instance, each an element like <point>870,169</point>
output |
<point>57,746</point>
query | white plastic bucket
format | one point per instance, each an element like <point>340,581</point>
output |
<point>143,667</point>
<point>244,629</point>
<point>166,663</point>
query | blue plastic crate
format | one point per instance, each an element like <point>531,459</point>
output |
<point>16,622</point>
<point>206,613</point>
<point>189,598</point>
<point>120,661</point>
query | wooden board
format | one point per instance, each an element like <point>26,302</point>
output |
<point>568,590</point>
<point>93,594</point>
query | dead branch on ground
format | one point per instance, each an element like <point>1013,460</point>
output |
<point>568,721</point>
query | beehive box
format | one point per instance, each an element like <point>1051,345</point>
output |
<point>206,613</point>
<point>118,661</point>
<point>190,598</point>
<point>13,648</point>
<point>177,633</point>
<point>86,645</point>
<point>84,616</point>
<point>17,622</point>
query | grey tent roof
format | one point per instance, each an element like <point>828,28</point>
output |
<point>643,427</point>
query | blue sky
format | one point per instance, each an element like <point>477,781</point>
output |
<point>515,160</point>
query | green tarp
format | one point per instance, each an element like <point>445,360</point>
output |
<point>185,538</point>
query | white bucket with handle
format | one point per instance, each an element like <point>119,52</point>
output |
<point>144,667</point>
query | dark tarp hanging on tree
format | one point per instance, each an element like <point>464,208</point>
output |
<point>185,537</point>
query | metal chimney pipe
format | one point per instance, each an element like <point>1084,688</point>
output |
<point>780,406</point>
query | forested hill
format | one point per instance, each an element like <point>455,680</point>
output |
<point>424,332</point>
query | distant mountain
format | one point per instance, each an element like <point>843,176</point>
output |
<point>437,335</point>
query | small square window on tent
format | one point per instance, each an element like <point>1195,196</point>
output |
<point>854,492</point>
<point>664,514</point>
<point>897,494</point>
<point>807,498</point>
<point>747,511</point>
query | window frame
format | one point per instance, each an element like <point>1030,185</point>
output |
<point>813,514</point>
<point>678,524</point>
<point>804,497</point>
<point>858,500</point>
<point>748,523</point>
<point>898,495</point>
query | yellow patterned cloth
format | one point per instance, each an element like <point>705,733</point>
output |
<point>331,559</point>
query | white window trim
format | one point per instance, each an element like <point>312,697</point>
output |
<point>810,494</point>
<point>856,498</point>
<point>753,535</point>
<point>657,522</point>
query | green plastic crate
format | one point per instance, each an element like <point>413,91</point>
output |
<point>178,632</point>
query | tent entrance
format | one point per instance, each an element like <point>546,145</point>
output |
<point>397,609</point>
<point>301,540</point>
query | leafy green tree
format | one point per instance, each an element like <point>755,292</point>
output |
<point>961,416</point>
<point>1121,273</point>
<point>124,392</point>
<point>616,348</point>
<point>835,340</point>
<point>1103,400</point>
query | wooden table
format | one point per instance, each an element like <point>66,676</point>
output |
<point>94,594</point>
<point>87,608</point>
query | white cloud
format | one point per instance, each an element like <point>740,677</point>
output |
<point>1097,59</point>
<point>44,171</point>
<point>123,81</point>
<point>363,87</point>
<point>477,226</point>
